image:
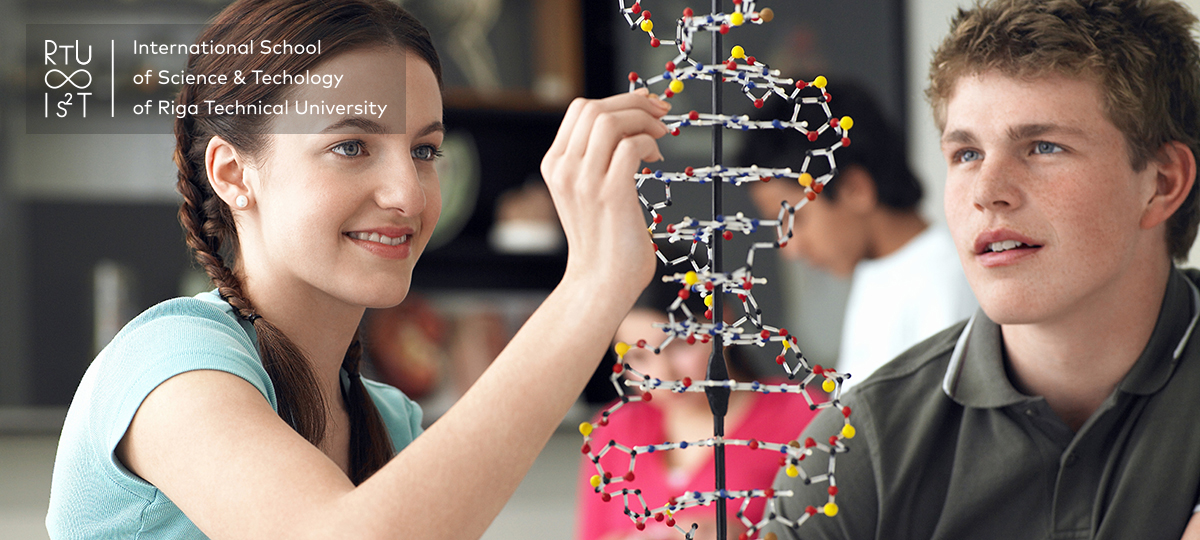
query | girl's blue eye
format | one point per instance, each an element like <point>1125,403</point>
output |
<point>426,152</point>
<point>1044,147</point>
<point>349,148</point>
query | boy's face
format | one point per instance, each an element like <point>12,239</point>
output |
<point>1037,161</point>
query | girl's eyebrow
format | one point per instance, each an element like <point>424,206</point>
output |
<point>433,127</point>
<point>365,124</point>
<point>370,126</point>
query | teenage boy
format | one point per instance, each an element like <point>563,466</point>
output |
<point>906,282</point>
<point>1066,407</point>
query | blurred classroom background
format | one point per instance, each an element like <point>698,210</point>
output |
<point>89,237</point>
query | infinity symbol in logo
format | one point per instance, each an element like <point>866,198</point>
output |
<point>67,79</point>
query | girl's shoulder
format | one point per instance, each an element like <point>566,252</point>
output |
<point>173,337</point>
<point>204,321</point>
<point>179,335</point>
<point>206,312</point>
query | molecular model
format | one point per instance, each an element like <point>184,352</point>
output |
<point>759,83</point>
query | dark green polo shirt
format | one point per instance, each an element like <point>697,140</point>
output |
<point>948,449</point>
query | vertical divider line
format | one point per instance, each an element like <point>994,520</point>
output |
<point>112,78</point>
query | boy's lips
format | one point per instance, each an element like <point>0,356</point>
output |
<point>1000,240</point>
<point>1000,247</point>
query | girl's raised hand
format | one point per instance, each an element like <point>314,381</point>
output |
<point>589,170</point>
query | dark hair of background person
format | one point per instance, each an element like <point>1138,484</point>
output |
<point>341,26</point>
<point>875,145</point>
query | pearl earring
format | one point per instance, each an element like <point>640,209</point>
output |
<point>241,201</point>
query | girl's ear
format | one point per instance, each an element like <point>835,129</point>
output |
<point>227,173</point>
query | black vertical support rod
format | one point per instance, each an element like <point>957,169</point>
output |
<point>718,398</point>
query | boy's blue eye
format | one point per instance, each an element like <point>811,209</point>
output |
<point>1044,147</point>
<point>349,149</point>
<point>968,155</point>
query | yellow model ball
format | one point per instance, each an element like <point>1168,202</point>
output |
<point>647,25</point>
<point>585,428</point>
<point>831,509</point>
<point>676,86</point>
<point>738,52</point>
<point>828,386</point>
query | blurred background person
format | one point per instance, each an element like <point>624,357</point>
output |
<point>675,417</point>
<point>906,280</point>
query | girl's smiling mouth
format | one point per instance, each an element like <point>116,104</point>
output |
<point>387,242</point>
<point>379,238</point>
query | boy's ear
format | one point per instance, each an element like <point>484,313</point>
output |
<point>856,189</point>
<point>227,173</point>
<point>1176,166</point>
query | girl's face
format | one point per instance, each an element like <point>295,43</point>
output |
<point>344,210</point>
<point>676,361</point>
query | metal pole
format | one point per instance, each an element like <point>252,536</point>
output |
<point>718,398</point>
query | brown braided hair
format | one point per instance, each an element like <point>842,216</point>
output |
<point>207,221</point>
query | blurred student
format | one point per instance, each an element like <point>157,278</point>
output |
<point>677,417</point>
<point>907,283</point>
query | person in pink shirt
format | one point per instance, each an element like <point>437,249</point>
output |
<point>670,416</point>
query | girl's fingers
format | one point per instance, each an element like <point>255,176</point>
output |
<point>584,124</point>
<point>559,146</point>
<point>629,154</point>
<point>612,128</point>
<point>589,171</point>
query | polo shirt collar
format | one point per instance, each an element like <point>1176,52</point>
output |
<point>1176,321</point>
<point>976,376</point>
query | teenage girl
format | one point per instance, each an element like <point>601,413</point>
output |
<point>240,413</point>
